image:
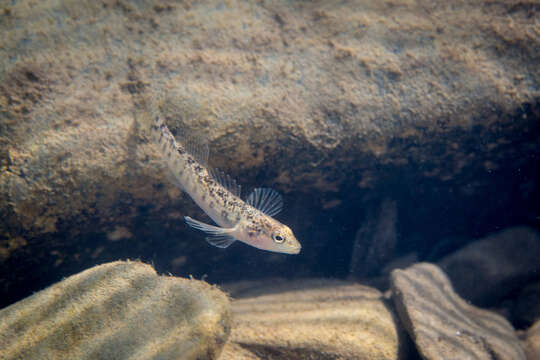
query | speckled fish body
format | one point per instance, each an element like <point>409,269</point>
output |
<point>218,195</point>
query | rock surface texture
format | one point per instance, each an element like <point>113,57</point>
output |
<point>322,100</point>
<point>443,325</point>
<point>532,344</point>
<point>311,319</point>
<point>119,310</point>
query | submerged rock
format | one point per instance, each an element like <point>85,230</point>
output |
<point>525,306</point>
<point>532,341</point>
<point>375,241</point>
<point>311,319</point>
<point>488,269</point>
<point>118,310</point>
<point>443,325</point>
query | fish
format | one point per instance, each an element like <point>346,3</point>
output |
<point>250,221</point>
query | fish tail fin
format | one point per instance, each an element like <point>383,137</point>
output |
<point>185,142</point>
<point>165,138</point>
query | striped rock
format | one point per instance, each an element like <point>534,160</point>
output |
<point>118,310</point>
<point>311,319</point>
<point>443,325</point>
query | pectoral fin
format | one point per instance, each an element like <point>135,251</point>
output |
<point>217,236</point>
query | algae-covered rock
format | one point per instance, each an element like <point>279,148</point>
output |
<point>443,325</point>
<point>119,310</point>
<point>318,90</point>
<point>311,319</point>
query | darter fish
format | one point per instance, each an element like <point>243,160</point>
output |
<point>218,195</point>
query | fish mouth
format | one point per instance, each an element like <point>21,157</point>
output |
<point>294,250</point>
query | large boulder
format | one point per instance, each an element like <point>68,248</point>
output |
<point>118,310</point>
<point>311,319</point>
<point>443,325</point>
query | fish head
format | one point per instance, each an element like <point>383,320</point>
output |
<point>266,233</point>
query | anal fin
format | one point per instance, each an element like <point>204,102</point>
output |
<point>217,236</point>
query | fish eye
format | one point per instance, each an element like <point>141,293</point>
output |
<point>278,238</point>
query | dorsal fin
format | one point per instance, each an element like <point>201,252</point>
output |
<point>226,181</point>
<point>267,200</point>
<point>197,147</point>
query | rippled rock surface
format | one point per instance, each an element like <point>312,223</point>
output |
<point>118,310</point>
<point>311,319</point>
<point>443,325</point>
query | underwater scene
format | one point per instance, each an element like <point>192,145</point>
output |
<point>270,179</point>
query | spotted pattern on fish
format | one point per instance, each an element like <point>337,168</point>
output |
<point>237,219</point>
